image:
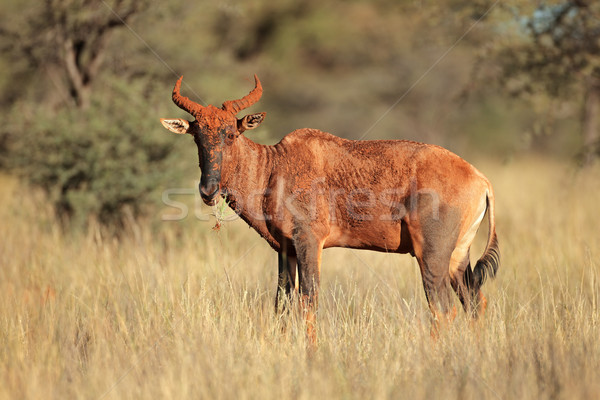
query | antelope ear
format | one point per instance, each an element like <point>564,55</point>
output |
<point>250,121</point>
<point>176,125</point>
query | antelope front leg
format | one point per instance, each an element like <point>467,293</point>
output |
<point>308,252</point>
<point>286,282</point>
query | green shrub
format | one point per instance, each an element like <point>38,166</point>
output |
<point>98,163</point>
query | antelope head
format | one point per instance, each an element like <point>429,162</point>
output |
<point>214,131</point>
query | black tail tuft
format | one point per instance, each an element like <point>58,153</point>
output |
<point>485,267</point>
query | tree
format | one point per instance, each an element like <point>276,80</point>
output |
<point>68,38</point>
<point>557,52</point>
<point>91,148</point>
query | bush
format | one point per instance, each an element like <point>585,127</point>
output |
<point>98,163</point>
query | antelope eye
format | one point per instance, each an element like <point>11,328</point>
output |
<point>230,136</point>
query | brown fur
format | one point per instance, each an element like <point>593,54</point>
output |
<point>314,190</point>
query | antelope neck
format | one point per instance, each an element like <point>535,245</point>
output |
<point>246,174</point>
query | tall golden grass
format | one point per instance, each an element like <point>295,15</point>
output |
<point>177,310</point>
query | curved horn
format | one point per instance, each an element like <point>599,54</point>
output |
<point>235,106</point>
<point>183,102</point>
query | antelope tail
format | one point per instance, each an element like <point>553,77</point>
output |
<point>488,264</point>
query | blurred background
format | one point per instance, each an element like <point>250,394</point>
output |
<point>84,82</point>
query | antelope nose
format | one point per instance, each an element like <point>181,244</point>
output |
<point>209,190</point>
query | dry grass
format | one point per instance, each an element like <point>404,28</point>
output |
<point>180,311</point>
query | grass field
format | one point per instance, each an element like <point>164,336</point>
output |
<point>176,310</point>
